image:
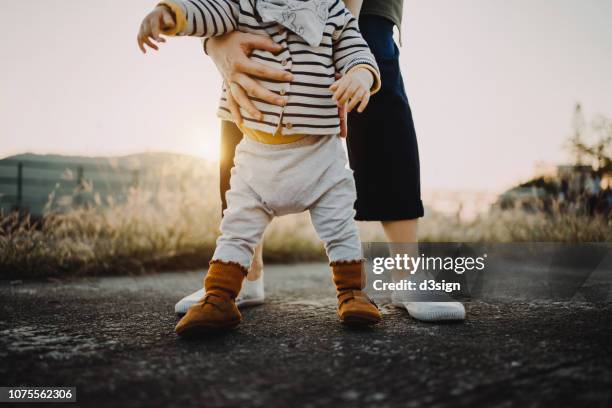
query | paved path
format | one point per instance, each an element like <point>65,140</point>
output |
<point>113,339</point>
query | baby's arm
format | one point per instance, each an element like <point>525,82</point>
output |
<point>199,18</point>
<point>354,88</point>
<point>354,60</point>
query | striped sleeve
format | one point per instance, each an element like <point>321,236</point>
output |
<point>203,18</point>
<point>351,50</point>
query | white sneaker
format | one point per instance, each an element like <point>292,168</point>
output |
<point>430,311</point>
<point>251,294</point>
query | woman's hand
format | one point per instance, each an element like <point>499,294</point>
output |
<point>230,54</point>
<point>353,88</point>
<point>152,25</point>
<point>342,115</point>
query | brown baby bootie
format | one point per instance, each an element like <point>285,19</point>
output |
<point>217,310</point>
<point>355,308</point>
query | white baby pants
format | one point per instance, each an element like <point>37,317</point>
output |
<point>271,180</point>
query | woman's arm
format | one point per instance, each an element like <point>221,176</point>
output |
<point>354,6</point>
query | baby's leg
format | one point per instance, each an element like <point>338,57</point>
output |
<point>332,216</point>
<point>244,222</point>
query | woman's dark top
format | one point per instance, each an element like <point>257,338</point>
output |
<point>390,9</point>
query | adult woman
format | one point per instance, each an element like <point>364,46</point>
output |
<point>382,145</point>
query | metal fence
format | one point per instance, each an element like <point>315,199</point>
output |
<point>26,185</point>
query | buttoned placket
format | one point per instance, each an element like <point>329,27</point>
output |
<point>287,64</point>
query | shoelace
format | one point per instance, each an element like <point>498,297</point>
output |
<point>206,300</point>
<point>356,295</point>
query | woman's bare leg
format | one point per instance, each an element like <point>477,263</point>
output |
<point>406,232</point>
<point>256,269</point>
<point>402,232</point>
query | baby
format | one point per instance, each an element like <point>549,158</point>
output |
<point>291,158</point>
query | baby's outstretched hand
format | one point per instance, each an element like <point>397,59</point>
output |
<point>152,25</point>
<point>353,88</point>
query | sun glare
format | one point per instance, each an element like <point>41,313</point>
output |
<point>204,142</point>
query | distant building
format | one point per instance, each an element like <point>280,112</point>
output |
<point>576,188</point>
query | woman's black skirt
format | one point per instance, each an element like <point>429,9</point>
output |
<point>382,144</point>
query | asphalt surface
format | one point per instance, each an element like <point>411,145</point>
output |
<point>113,339</point>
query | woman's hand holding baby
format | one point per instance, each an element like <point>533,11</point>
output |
<point>230,53</point>
<point>353,88</point>
<point>152,26</point>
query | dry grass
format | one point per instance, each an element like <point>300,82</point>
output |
<point>517,226</point>
<point>176,227</point>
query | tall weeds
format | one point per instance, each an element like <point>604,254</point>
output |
<point>174,227</point>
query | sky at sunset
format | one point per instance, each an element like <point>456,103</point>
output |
<point>492,83</point>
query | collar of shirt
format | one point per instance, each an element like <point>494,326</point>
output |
<point>305,18</point>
